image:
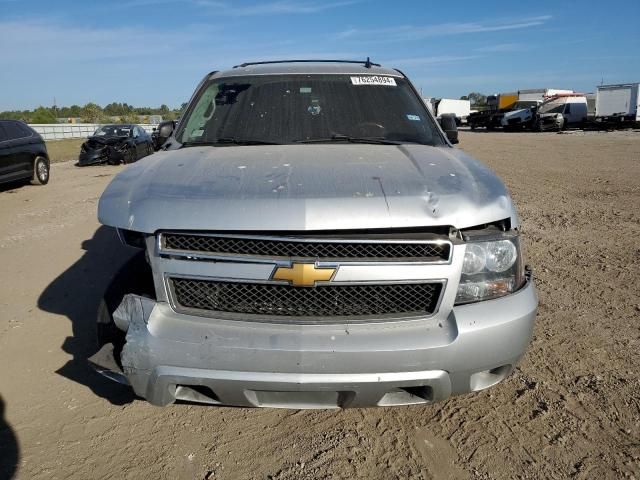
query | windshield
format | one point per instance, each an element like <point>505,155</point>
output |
<point>286,109</point>
<point>113,131</point>
<point>551,107</point>
<point>524,104</point>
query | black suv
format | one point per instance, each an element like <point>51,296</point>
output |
<point>23,154</point>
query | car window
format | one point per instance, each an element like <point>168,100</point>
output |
<point>567,108</point>
<point>3,133</point>
<point>285,109</point>
<point>26,130</point>
<point>14,130</point>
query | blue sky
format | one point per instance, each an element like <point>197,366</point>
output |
<point>149,52</point>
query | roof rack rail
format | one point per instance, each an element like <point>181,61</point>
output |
<point>367,63</point>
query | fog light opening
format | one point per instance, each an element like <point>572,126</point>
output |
<point>196,394</point>
<point>424,392</point>
<point>488,378</point>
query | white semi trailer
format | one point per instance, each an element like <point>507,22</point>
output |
<point>540,94</point>
<point>618,103</point>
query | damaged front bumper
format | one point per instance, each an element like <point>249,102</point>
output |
<point>170,356</point>
<point>550,122</point>
<point>107,154</point>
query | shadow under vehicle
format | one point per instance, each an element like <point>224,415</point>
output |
<point>77,294</point>
<point>115,144</point>
<point>23,154</point>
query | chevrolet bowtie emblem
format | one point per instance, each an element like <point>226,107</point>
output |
<point>303,274</point>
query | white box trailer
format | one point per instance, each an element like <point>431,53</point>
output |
<point>620,102</point>
<point>459,108</point>
<point>540,94</point>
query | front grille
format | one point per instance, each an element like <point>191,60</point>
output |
<point>425,251</point>
<point>206,296</point>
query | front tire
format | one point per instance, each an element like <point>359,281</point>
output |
<point>128,156</point>
<point>41,171</point>
<point>136,277</point>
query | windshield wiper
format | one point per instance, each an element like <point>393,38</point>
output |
<point>339,137</point>
<point>228,141</point>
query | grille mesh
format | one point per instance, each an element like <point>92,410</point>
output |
<point>306,249</point>
<point>319,301</point>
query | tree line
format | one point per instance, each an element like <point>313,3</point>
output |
<point>92,113</point>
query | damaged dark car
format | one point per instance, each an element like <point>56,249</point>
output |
<point>115,144</point>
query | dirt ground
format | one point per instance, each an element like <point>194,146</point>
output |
<point>571,409</point>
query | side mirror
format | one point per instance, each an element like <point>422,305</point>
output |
<point>166,130</point>
<point>448,124</point>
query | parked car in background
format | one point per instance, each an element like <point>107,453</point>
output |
<point>459,108</point>
<point>115,144</point>
<point>23,154</point>
<point>521,115</point>
<point>310,238</point>
<point>561,111</point>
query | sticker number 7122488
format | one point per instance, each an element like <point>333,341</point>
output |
<point>374,80</point>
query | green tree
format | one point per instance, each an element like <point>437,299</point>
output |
<point>70,112</point>
<point>24,115</point>
<point>92,113</point>
<point>130,117</point>
<point>477,99</point>
<point>42,115</point>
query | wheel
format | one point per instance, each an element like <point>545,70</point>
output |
<point>128,156</point>
<point>135,277</point>
<point>149,149</point>
<point>40,171</point>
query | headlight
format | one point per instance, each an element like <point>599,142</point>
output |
<point>490,269</point>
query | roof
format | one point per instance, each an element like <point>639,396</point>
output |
<point>618,85</point>
<point>307,67</point>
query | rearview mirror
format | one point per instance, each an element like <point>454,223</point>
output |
<point>448,124</point>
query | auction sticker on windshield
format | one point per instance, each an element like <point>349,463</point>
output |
<point>374,80</point>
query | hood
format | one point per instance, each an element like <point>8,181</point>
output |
<point>304,187</point>
<point>105,140</point>
<point>521,113</point>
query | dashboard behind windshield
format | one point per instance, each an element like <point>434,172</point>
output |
<point>285,109</point>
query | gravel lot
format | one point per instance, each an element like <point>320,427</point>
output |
<point>571,409</point>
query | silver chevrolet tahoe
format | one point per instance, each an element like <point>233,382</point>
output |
<point>309,238</point>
